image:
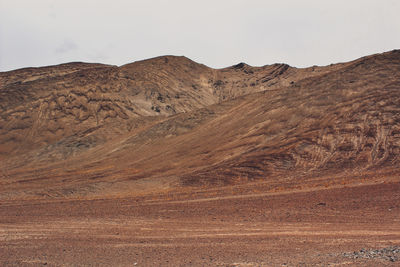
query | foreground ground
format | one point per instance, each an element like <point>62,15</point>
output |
<point>354,225</point>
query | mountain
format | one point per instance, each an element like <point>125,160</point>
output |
<point>90,130</point>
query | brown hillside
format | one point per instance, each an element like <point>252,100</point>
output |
<point>172,118</point>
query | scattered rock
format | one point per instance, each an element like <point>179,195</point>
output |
<point>218,84</point>
<point>239,66</point>
<point>156,109</point>
<point>391,254</point>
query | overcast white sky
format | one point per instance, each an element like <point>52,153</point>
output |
<point>217,33</point>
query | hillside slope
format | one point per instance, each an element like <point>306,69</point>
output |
<point>82,130</point>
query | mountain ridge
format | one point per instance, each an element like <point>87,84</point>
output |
<point>172,119</point>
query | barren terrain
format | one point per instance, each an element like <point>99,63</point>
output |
<point>169,162</point>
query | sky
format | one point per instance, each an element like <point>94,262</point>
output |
<point>217,33</point>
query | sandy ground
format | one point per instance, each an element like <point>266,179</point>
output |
<point>315,228</point>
